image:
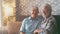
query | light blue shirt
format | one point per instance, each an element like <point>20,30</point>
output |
<point>29,25</point>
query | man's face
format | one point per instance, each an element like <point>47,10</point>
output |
<point>34,12</point>
<point>45,11</point>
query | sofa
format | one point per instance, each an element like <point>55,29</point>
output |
<point>57,17</point>
<point>13,28</point>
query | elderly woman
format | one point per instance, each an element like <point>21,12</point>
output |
<point>48,24</point>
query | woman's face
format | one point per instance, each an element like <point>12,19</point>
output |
<point>45,11</point>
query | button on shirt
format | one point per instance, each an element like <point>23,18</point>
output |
<point>29,25</point>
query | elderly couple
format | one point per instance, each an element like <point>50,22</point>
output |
<point>37,25</point>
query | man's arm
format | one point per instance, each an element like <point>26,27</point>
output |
<point>22,29</point>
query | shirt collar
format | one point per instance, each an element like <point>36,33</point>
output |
<point>34,19</point>
<point>47,18</point>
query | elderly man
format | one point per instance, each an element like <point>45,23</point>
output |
<point>30,24</point>
<point>48,24</point>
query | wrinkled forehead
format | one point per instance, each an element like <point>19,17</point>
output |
<point>46,6</point>
<point>34,8</point>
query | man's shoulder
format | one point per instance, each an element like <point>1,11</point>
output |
<point>27,18</point>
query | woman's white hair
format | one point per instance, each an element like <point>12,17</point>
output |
<point>48,5</point>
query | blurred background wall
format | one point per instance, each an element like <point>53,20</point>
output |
<point>0,13</point>
<point>22,8</point>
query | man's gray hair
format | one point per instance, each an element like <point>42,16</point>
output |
<point>34,7</point>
